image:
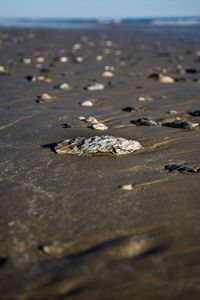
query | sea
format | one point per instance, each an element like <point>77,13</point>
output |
<point>66,23</point>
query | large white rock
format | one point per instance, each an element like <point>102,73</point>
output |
<point>97,144</point>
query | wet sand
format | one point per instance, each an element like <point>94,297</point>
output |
<point>67,229</point>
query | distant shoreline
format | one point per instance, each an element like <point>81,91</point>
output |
<point>90,23</point>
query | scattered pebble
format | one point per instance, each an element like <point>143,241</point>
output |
<point>43,78</point>
<point>79,59</point>
<point>127,187</point>
<point>26,61</point>
<point>90,120</point>
<point>98,144</point>
<point>40,60</point>
<point>99,126</point>
<point>63,86</point>
<point>109,68</point>
<point>43,97</point>
<point>99,57</point>
<point>95,87</point>
<point>195,113</point>
<point>107,74</point>
<point>145,98</point>
<point>182,168</point>
<point>128,109</point>
<point>3,71</point>
<point>87,103</point>
<point>172,112</point>
<point>64,59</point>
<point>166,79</point>
<point>145,122</point>
<point>181,124</point>
<point>77,47</point>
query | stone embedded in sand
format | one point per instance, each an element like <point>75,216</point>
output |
<point>128,109</point>
<point>79,59</point>
<point>182,168</point>
<point>26,61</point>
<point>145,98</point>
<point>64,59</point>
<point>77,47</point>
<point>108,74</point>
<point>166,79</point>
<point>43,97</point>
<point>92,120</point>
<point>95,87</point>
<point>31,78</point>
<point>87,103</point>
<point>145,122</point>
<point>40,60</point>
<point>98,144</point>
<point>127,187</point>
<point>109,68</point>
<point>109,43</point>
<point>172,112</point>
<point>99,126</point>
<point>99,57</point>
<point>3,70</point>
<point>43,78</point>
<point>181,124</point>
<point>195,113</point>
<point>63,86</point>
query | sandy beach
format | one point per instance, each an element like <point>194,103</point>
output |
<point>100,226</point>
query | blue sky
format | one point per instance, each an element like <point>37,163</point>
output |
<point>98,8</point>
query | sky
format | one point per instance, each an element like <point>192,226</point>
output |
<point>98,8</point>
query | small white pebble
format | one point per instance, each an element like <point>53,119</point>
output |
<point>109,68</point>
<point>87,103</point>
<point>99,57</point>
<point>79,59</point>
<point>26,61</point>
<point>45,96</point>
<point>107,74</point>
<point>77,46</point>
<point>109,43</point>
<point>65,86</point>
<point>92,120</point>
<point>40,59</point>
<point>81,118</point>
<point>166,79</point>
<point>64,59</point>
<point>100,126</point>
<point>95,87</point>
<point>127,187</point>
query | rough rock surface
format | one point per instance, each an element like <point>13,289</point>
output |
<point>97,144</point>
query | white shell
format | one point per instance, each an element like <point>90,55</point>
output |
<point>79,59</point>
<point>64,86</point>
<point>92,120</point>
<point>27,61</point>
<point>127,187</point>
<point>45,96</point>
<point>99,57</point>
<point>100,126</point>
<point>40,59</point>
<point>77,46</point>
<point>166,79</point>
<point>87,103</point>
<point>64,59</point>
<point>95,87</point>
<point>107,74</point>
